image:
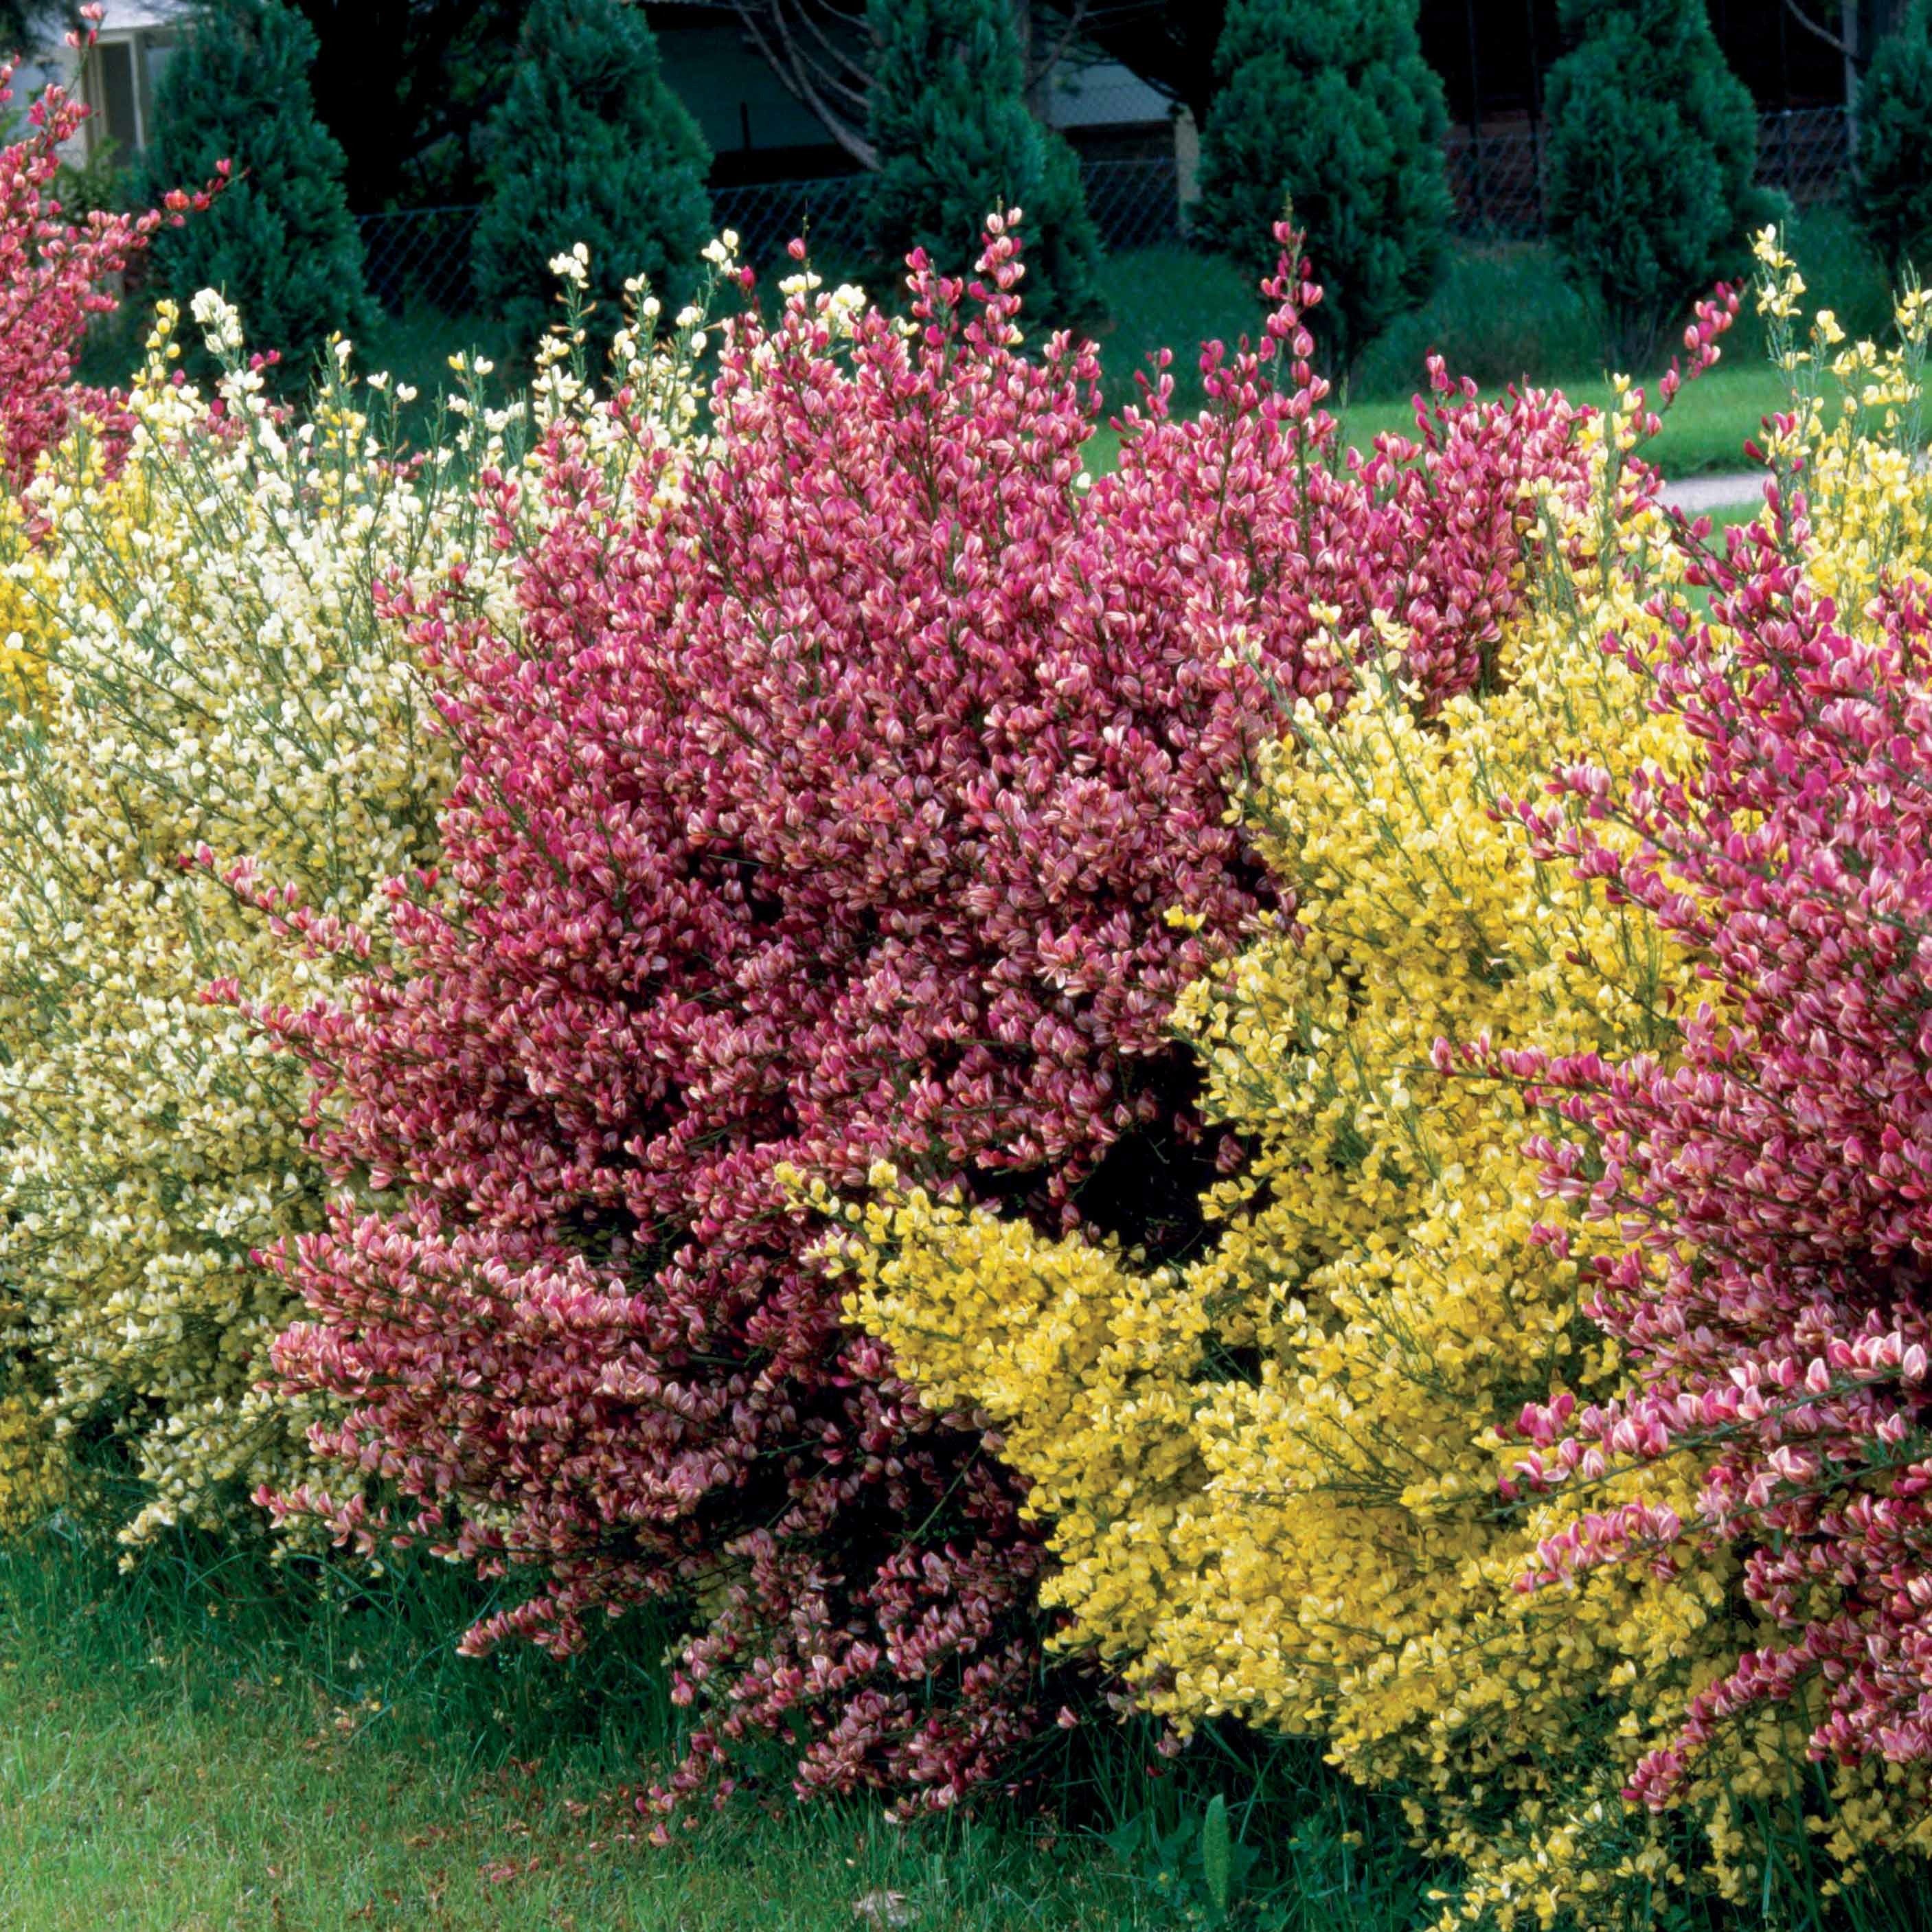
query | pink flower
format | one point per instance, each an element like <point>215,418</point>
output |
<point>1775,1297</point>
<point>53,270</point>
<point>833,812</point>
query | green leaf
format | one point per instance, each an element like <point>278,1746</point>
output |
<point>1216,1852</point>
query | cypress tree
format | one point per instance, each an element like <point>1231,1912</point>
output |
<point>1651,149</point>
<point>956,141</point>
<point>589,145</point>
<point>1330,104</point>
<point>279,241</point>
<point>1893,192</point>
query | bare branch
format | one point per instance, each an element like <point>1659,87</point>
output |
<point>1042,70</point>
<point>838,105</point>
<point>1824,34</point>
<point>859,72</point>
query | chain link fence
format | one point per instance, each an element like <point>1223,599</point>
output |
<point>1807,152</point>
<point>420,258</point>
<point>766,215</point>
<point>1135,204</point>
<point>1498,181</point>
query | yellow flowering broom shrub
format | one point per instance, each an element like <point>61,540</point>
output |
<point>1279,1478</point>
<point>204,666</point>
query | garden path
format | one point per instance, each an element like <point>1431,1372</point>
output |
<point>1696,493</point>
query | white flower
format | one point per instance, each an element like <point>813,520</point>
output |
<point>219,323</point>
<point>149,1141</point>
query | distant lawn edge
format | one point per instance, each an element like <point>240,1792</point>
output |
<point>1703,435</point>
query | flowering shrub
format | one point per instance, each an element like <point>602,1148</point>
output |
<point>216,673</point>
<point>873,802</point>
<point>1282,1481</point>
<point>52,270</point>
<point>1270,1473</point>
<point>1767,1176</point>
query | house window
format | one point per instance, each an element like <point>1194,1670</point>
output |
<point>123,73</point>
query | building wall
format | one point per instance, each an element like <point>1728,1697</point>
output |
<point>132,44</point>
<point>743,106</point>
<point>1101,94</point>
<point>758,132</point>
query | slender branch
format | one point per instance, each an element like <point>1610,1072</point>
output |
<point>1824,34</point>
<point>1075,16</point>
<point>770,32</point>
<point>858,71</point>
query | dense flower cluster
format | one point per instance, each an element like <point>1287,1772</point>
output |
<point>1358,1023</point>
<point>210,670</point>
<point>1769,1175</point>
<point>872,803</point>
<point>1282,1481</point>
<point>1270,1473</point>
<point>53,268</point>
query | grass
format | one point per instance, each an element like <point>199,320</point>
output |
<point>194,1748</point>
<point>208,1744</point>
<point>415,347</point>
<point>1500,313</point>
<point>220,1762</point>
<point>1704,434</point>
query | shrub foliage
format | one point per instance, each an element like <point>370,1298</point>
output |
<point>1298,1077</point>
<point>280,244</point>
<point>212,672</point>
<point>956,137</point>
<point>1893,175</point>
<point>1329,104</point>
<point>53,266</point>
<point>873,803</point>
<point>1760,1186</point>
<point>1652,148</point>
<point>589,148</point>
<point>1288,1480</point>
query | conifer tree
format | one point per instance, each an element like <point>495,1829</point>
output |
<point>589,145</point>
<point>1329,104</point>
<point>24,25</point>
<point>956,141</point>
<point>280,242</point>
<point>1893,192</point>
<point>1650,152</point>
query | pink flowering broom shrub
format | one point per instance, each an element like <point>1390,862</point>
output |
<point>872,800</point>
<point>53,270</point>
<point>1772,1179</point>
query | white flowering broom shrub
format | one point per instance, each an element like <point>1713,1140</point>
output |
<point>208,672</point>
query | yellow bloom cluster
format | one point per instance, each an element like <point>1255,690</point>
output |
<point>1855,437</point>
<point>1274,1476</point>
<point>201,662</point>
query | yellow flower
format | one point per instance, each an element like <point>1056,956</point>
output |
<point>1274,1477</point>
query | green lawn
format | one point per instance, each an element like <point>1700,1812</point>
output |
<point>163,1800</point>
<point>1500,312</point>
<point>199,1746</point>
<point>1704,434</point>
<point>181,1753</point>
